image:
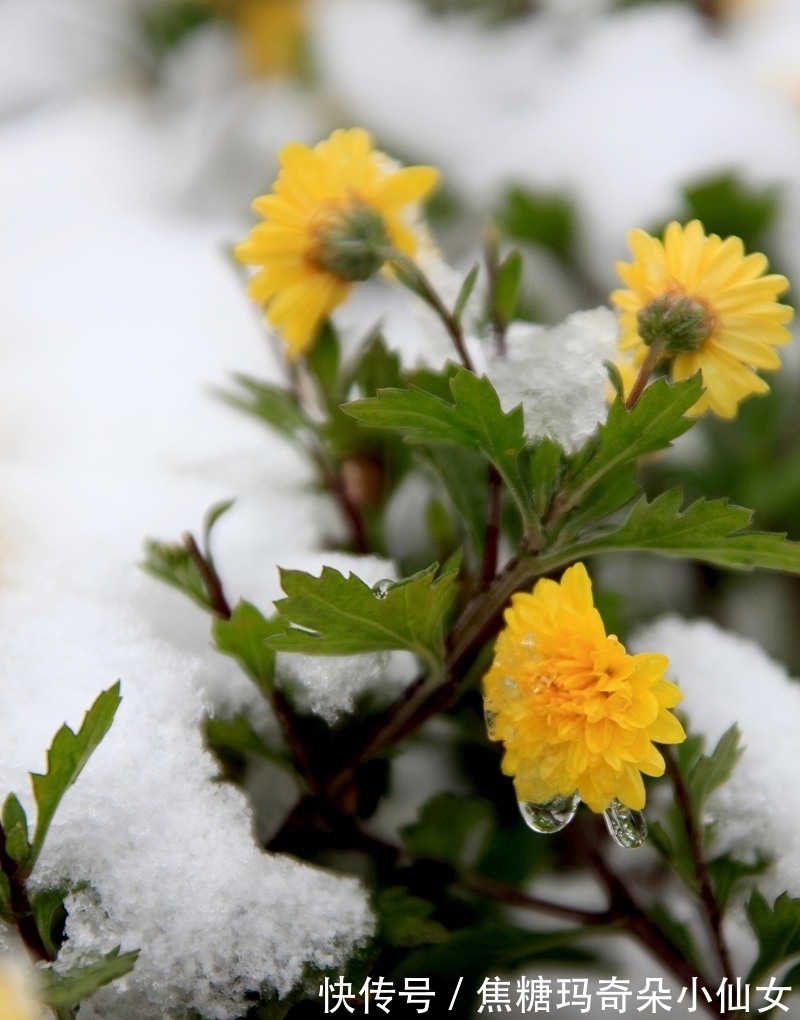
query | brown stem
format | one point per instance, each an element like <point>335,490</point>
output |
<point>654,354</point>
<point>492,538</point>
<point>335,485</point>
<point>299,753</point>
<point>636,921</point>
<point>211,583</point>
<point>711,912</point>
<point>514,898</point>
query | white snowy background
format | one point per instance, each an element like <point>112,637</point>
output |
<point>119,309</point>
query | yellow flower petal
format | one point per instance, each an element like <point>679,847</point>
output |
<point>574,710</point>
<point>745,320</point>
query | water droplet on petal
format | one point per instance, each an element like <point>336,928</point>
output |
<point>381,588</point>
<point>627,827</point>
<point>551,816</point>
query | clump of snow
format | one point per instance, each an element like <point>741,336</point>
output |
<point>147,829</point>
<point>558,375</point>
<point>330,685</point>
<point>727,679</point>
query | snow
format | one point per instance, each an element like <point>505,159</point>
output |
<point>726,679</point>
<point>558,375</point>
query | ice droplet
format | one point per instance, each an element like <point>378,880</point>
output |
<point>627,827</point>
<point>551,816</point>
<point>381,588</point>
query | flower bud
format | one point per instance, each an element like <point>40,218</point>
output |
<point>675,322</point>
<point>350,243</point>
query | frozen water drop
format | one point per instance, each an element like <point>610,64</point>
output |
<point>551,816</point>
<point>381,588</point>
<point>627,827</point>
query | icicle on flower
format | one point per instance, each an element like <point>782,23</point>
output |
<point>705,306</point>
<point>576,713</point>
<point>336,214</point>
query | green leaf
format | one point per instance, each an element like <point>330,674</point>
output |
<point>475,420</point>
<point>404,920</point>
<point>709,772</point>
<point>707,530</point>
<point>491,947</point>
<point>344,616</point>
<point>243,637</point>
<point>49,913</point>
<point>236,739</point>
<point>544,472</point>
<point>777,929</point>
<point>651,424</point>
<point>15,826</point>
<point>539,218</point>
<point>464,475</point>
<point>5,898</point>
<point>68,988</point>
<point>172,563</point>
<point>449,829</point>
<point>727,874</point>
<point>506,288</point>
<point>271,405</point>
<point>323,358</point>
<point>67,756</point>
<point>678,931</point>
<point>727,207</point>
<point>465,293</point>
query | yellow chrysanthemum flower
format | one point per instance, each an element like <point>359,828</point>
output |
<point>336,213</point>
<point>709,305</point>
<point>575,712</point>
<point>17,998</point>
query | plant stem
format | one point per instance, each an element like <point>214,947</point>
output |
<point>654,355</point>
<point>211,582</point>
<point>636,921</point>
<point>422,285</point>
<point>514,898</point>
<point>492,537</point>
<point>711,912</point>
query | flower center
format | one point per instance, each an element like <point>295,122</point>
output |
<point>348,241</point>
<point>677,323</point>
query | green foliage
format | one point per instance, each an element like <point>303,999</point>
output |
<point>448,828</point>
<point>538,218</point>
<point>467,287</point>
<point>173,563</point>
<point>653,422</point>
<point>404,920</point>
<point>15,827</point>
<point>273,406</point>
<point>344,616</point>
<point>50,914</point>
<point>710,772</point>
<point>506,289</point>
<point>727,207</point>
<point>777,929</point>
<point>728,875</point>
<point>491,947</point>
<point>69,987</point>
<point>463,474</point>
<point>66,758</point>
<point>708,530</point>
<point>475,420</point>
<point>164,23</point>
<point>244,637</point>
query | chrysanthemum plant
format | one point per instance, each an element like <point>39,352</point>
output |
<point>501,620</point>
